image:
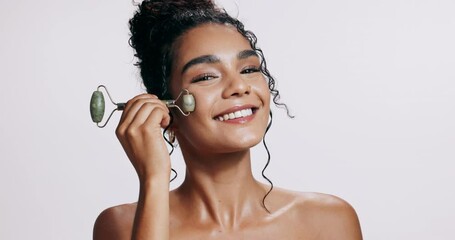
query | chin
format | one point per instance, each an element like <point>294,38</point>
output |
<point>242,144</point>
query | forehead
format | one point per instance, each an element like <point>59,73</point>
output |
<point>209,39</point>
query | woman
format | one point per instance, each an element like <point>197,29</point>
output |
<point>194,45</point>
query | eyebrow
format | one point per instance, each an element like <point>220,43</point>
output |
<point>246,54</point>
<point>214,59</point>
<point>200,60</point>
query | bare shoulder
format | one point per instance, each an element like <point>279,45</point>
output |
<point>331,217</point>
<point>115,223</point>
<point>320,216</point>
<point>322,203</point>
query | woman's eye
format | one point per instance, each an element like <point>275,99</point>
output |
<point>249,70</point>
<point>204,77</point>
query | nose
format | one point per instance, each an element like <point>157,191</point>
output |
<point>236,86</point>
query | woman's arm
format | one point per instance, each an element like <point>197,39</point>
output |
<point>152,214</point>
<point>139,132</point>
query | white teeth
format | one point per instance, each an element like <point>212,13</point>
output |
<point>244,112</point>
<point>236,114</point>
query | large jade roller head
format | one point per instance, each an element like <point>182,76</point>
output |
<point>98,106</point>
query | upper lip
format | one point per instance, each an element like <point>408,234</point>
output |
<point>236,108</point>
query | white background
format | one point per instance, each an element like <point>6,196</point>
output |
<point>372,85</point>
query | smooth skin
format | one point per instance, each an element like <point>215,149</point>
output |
<point>219,198</point>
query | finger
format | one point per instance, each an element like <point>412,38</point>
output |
<point>160,117</point>
<point>132,101</point>
<point>147,109</point>
<point>130,113</point>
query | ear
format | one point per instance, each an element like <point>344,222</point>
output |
<point>173,128</point>
<point>174,124</point>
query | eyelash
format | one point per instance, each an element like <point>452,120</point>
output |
<point>209,76</point>
<point>250,69</point>
<point>204,77</point>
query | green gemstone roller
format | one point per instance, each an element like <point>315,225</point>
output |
<point>97,106</point>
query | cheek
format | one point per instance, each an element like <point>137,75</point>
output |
<point>263,91</point>
<point>205,100</point>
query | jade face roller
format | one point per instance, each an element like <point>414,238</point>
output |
<point>98,106</point>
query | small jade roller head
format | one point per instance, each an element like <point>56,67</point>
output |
<point>189,104</point>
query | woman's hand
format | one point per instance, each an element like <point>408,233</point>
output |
<point>139,132</point>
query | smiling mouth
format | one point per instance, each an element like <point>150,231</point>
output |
<point>237,114</point>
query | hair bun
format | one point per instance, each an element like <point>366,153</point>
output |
<point>171,7</point>
<point>155,26</point>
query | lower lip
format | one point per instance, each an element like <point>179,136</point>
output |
<point>239,120</point>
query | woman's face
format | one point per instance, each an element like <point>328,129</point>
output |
<point>217,65</point>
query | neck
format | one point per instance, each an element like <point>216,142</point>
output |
<point>222,189</point>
